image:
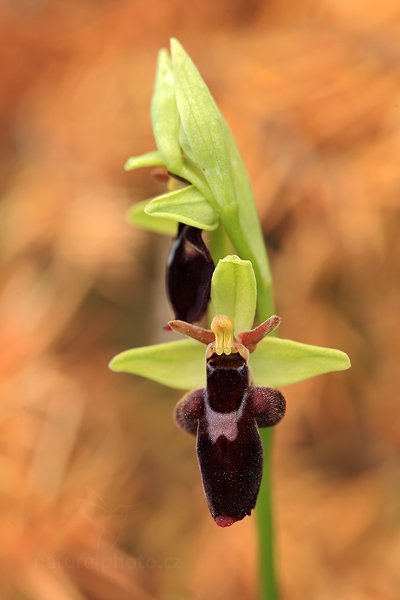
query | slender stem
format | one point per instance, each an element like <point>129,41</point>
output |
<point>265,521</point>
<point>265,526</point>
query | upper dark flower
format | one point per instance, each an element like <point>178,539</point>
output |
<point>188,277</point>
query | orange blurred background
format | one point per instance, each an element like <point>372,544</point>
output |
<point>100,495</point>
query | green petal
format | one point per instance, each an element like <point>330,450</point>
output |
<point>179,365</point>
<point>185,205</point>
<point>164,114</point>
<point>204,128</point>
<point>150,159</point>
<point>278,362</point>
<point>137,216</point>
<point>234,292</point>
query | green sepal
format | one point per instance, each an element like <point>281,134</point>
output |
<point>164,114</point>
<point>277,362</point>
<point>203,127</point>
<point>150,159</point>
<point>179,364</point>
<point>185,205</point>
<point>137,216</point>
<point>234,292</point>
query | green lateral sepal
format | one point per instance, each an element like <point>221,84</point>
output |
<point>185,205</point>
<point>137,216</point>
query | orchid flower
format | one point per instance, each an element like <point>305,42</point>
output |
<point>234,380</point>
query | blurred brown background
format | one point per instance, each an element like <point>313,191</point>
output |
<point>100,496</point>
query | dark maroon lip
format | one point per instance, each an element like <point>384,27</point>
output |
<point>227,382</point>
<point>225,417</point>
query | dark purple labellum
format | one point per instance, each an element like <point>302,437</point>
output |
<point>226,416</point>
<point>189,271</point>
<point>228,443</point>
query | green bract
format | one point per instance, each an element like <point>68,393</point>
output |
<point>195,143</point>
<point>203,130</point>
<point>165,116</point>
<point>213,149</point>
<point>274,363</point>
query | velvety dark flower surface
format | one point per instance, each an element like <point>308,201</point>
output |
<point>188,277</point>
<point>225,416</point>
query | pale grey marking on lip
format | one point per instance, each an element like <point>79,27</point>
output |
<point>223,424</point>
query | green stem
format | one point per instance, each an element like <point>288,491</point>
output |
<point>265,520</point>
<point>265,526</point>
